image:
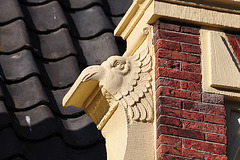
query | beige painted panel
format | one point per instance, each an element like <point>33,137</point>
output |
<point>219,67</point>
<point>224,68</point>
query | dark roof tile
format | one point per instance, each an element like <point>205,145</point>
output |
<point>97,151</point>
<point>9,145</point>
<point>98,49</point>
<point>82,4</point>
<point>36,123</point>
<point>64,39</point>
<point>36,1</point>
<point>91,21</point>
<point>1,90</point>
<point>17,157</point>
<point>4,117</point>
<point>81,131</point>
<point>7,14</point>
<point>47,17</point>
<point>57,44</point>
<point>62,73</point>
<point>116,20</point>
<point>119,7</point>
<point>69,111</point>
<point>26,94</point>
<point>13,36</point>
<point>49,149</point>
<point>18,65</point>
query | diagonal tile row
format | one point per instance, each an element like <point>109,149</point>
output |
<point>83,23</point>
<point>56,45</point>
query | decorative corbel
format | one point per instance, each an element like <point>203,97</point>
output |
<point>117,96</point>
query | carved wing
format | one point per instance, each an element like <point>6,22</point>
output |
<point>136,93</point>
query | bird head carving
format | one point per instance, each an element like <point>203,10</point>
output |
<point>127,80</point>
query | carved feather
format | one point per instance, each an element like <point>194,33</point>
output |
<point>136,93</point>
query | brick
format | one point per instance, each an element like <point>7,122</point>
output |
<point>175,46</point>
<point>169,150</point>
<point>213,98</point>
<point>191,86</point>
<point>183,75</point>
<point>168,26</point>
<point>216,138</point>
<point>191,67</point>
<point>167,82</point>
<point>192,58</point>
<point>169,157</point>
<point>158,108</point>
<point>187,133</point>
<point>215,119</point>
<point>238,40</point>
<point>166,91</point>
<point>209,156</point>
<point>181,113</point>
<point>169,121</point>
<point>171,64</point>
<point>191,48</point>
<point>192,115</point>
<point>179,37</point>
<point>180,152</point>
<point>203,107</point>
<point>155,26</point>
<point>206,127</point>
<point>171,102</point>
<point>192,154</point>
<point>204,146</point>
<point>178,56</point>
<point>164,139</point>
<point>191,30</point>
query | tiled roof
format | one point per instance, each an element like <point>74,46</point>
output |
<point>44,46</point>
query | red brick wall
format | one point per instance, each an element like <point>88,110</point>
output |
<point>190,124</point>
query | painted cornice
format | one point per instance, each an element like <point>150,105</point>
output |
<point>221,14</point>
<point>140,7</point>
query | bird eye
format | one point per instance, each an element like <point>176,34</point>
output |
<point>118,64</point>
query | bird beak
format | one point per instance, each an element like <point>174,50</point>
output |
<point>92,73</point>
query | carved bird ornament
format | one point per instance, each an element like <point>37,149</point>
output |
<point>128,81</point>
